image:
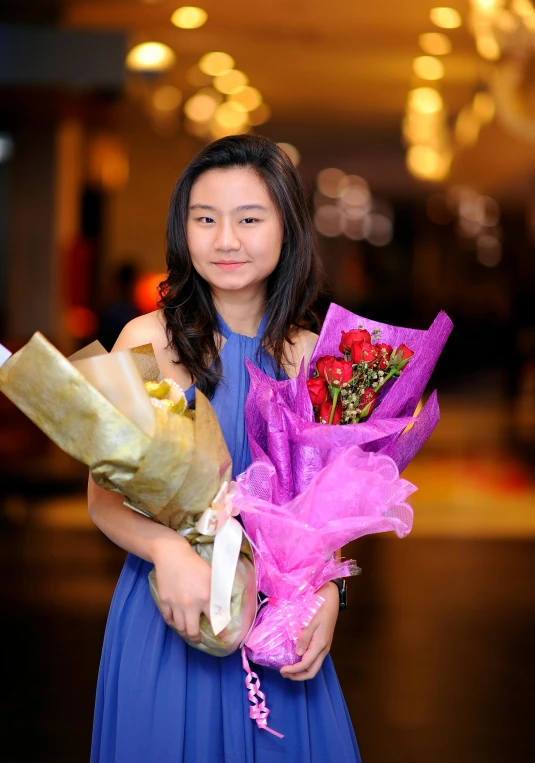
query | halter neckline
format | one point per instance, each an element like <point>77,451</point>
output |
<point>227,332</point>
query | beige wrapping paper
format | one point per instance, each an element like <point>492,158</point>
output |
<point>168,466</point>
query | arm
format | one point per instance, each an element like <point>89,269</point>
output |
<point>183,577</point>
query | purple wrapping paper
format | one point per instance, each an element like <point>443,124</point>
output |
<point>280,418</point>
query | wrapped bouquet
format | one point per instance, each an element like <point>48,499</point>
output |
<point>116,414</point>
<point>312,487</point>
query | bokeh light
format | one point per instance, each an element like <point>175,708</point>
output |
<point>428,67</point>
<point>150,57</point>
<point>247,98</point>
<point>292,153</point>
<point>260,116</point>
<point>189,17</point>
<point>328,181</point>
<point>435,43</point>
<point>230,81</point>
<point>425,100</point>
<point>146,294</point>
<point>216,63</point>
<point>200,107</point>
<point>445,17</point>
<point>329,221</point>
<point>166,98</point>
<point>229,117</point>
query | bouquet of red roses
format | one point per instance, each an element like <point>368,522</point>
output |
<point>344,390</point>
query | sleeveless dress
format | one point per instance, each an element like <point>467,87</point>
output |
<point>162,701</point>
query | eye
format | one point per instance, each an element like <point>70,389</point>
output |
<point>249,220</point>
<point>206,219</point>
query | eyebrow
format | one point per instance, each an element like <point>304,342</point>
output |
<point>241,208</point>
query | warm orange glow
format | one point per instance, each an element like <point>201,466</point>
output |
<point>247,98</point>
<point>216,63</point>
<point>426,163</point>
<point>166,98</point>
<point>425,100</point>
<point>230,81</point>
<point>82,322</point>
<point>435,43</point>
<point>329,181</point>
<point>291,152</point>
<point>445,17</point>
<point>146,291</point>
<point>487,46</point>
<point>428,67</point>
<point>200,107</point>
<point>228,117</point>
<point>467,127</point>
<point>150,57</point>
<point>484,106</point>
<point>260,115</point>
<point>189,17</point>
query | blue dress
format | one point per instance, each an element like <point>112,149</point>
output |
<point>161,701</point>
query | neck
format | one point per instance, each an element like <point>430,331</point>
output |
<point>242,312</point>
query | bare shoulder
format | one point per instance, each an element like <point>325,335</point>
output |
<point>150,329</point>
<point>146,329</point>
<point>302,348</point>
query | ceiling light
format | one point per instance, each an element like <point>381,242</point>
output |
<point>230,118</point>
<point>425,100</point>
<point>200,107</point>
<point>446,18</point>
<point>216,63</point>
<point>230,81</point>
<point>189,17</point>
<point>150,57</point>
<point>428,67</point>
<point>247,98</point>
<point>435,43</point>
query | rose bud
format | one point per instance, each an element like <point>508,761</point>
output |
<point>317,389</point>
<point>322,362</point>
<point>405,351</point>
<point>338,371</point>
<point>363,352</point>
<point>385,351</point>
<point>355,335</point>
<point>368,397</point>
<point>324,412</point>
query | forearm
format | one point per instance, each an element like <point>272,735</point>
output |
<point>126,528</point>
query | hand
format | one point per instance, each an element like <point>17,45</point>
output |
<point>315,641</point>
<point>184,581</point>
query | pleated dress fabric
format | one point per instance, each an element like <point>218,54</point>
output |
<point>161,701</point>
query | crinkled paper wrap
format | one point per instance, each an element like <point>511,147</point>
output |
<point>169,467</point>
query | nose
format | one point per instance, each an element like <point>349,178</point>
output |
<point>226,239</point>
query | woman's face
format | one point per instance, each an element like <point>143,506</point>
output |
<point>234,230</point>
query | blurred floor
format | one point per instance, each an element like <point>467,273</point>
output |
<point>435,653</point>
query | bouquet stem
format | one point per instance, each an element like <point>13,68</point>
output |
<point>335,400</point>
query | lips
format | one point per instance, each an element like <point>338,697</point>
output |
<point>228,265</point>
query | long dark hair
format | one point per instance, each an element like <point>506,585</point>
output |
<point>186,298</point>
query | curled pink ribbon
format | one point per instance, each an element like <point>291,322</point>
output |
<point>258,711</point>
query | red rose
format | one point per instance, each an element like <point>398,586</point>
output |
<point>363,352</point>
<point>324,412</point>
<point>384,353</point>
<point>336,371</point>
<point>355,335</point>
<point>322,362</point>
<point>368,397</point>
<point>317,389</point>
<point>405,351</point>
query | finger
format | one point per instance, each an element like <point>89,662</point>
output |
<point>192,623</point>
<point>312,671</point>
<point>303,642</point>
<point>224,635</point>
<point>310,656</point>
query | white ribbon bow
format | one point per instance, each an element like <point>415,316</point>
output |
<point>219,520</point>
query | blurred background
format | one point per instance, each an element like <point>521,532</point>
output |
<point>413,130</point>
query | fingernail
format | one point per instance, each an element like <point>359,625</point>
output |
<point>299,651</point>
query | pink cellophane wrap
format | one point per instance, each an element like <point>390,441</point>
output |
<point>356,494</point>
<point>317,487</point>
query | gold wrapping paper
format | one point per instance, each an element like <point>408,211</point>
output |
<point>168,466</point>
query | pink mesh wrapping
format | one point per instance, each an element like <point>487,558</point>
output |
<point>356,494</point>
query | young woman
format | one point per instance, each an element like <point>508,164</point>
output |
<point>243,272</point>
